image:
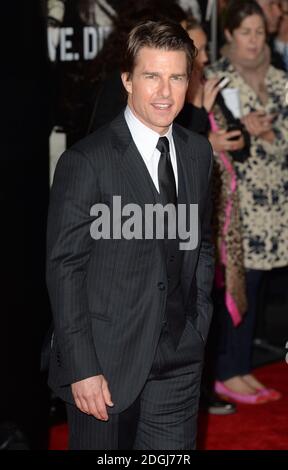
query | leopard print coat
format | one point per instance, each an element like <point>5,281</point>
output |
<point>262,180</point>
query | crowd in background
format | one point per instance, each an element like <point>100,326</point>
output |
<point>246,123</point>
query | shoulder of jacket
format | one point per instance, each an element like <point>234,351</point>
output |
<point>92,141</point>
<point>197,143</point>
<point>277,74</point>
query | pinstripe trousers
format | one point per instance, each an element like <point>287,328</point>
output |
<point>164,415</point>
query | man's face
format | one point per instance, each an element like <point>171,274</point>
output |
<point>157,87</point>
<point>272,11</point>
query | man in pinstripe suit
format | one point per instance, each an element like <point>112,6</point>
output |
<point>131,314</point>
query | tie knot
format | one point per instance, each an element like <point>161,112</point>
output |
<point>163,145</point>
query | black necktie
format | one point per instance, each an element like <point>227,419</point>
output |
<point>167,187</point>
<point>166,178</point>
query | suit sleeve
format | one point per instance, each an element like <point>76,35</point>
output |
<point>205,266</point>
<point>69,244</point>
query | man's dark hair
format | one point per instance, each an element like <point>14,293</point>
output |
<point>165,35</point>
<point>239,10</point>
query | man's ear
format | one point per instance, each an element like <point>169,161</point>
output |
<point>126,80</point>
<point>228,35</point>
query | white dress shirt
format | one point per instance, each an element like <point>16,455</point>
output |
<point>146,140</point>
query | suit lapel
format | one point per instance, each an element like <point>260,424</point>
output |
<point>131,163</point>
<point>188,194</point>
<point>133,169</point>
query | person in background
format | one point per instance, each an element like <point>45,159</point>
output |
<point>201,96</point>
<point>273,13</point>
<point>262,182</point>
<point>201,99</point>
<point>281,40</point>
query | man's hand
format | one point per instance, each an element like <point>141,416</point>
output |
<point>221,142</point>
<point>92,395</point>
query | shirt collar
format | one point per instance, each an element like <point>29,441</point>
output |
<point>145,138</point>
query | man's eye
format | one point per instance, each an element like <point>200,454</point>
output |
<point>150,75</point>
<point>177,78</point>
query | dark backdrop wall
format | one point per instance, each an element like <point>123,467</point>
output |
<point>24,197</point>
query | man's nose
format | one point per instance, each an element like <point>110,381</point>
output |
<point>165,88</point>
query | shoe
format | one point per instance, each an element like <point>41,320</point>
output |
<point>270,394</point>
<point>221,407</point>
<point>250,399</point>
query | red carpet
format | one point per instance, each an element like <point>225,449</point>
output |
<point>253,427</point>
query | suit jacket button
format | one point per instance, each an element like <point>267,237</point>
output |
<point>161,286</point>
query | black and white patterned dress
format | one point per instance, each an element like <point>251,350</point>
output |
<point>263,177</point>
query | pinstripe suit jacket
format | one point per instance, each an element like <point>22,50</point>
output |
<point>108,296</point>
